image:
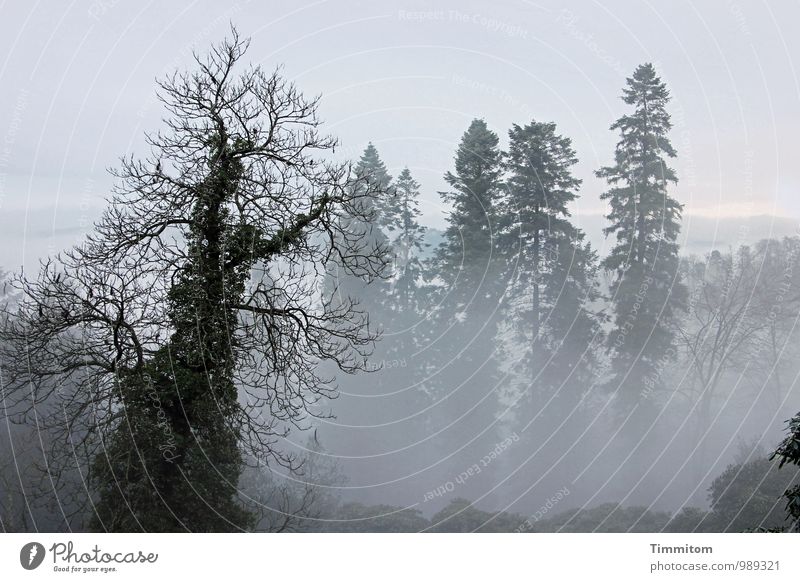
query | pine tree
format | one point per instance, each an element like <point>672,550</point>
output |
<point>646,290</point>
<point>466,270</point>
<point>371,167</point>
<point>372,174</point>
<point>404,303</point>
<point>361,402</point>
<point>467,255</point>
<point>407,240</point>
<point>554,281</point>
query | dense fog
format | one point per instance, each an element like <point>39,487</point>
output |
<point>256,334</point>
<point>462,410</point>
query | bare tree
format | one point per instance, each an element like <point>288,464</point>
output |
<point>300,501</point>
<point>740,319</point>
<point>772,358</point>
<point>722,319</point>
<point>187,333</point>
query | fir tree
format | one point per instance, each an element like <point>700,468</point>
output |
<point>372,174</point>
<point>646,290</point>
<point>406,238</point>
<point>554,280</point>
<point>468,255</point>
<point>371,168</point>
<point>404,304</point>
<point>466,270</point>
<point>361,403</point>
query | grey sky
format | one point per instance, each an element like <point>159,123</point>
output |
<point>77,90</point>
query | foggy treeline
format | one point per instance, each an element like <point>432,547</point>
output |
<point>258,338</point>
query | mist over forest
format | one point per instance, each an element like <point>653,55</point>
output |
<point>252,334</point>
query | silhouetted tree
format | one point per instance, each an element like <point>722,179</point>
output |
<point>554,271</point>
<point>646,291</point>
<point>404,303</point>
<point>190,323</point>
<point>407,240</point>
<point>466,273</point>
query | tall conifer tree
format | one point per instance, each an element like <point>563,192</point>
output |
<point>372,173</point>
<point>463,368</point>
<point>405,301</point>
<point>407,240</point>
<point>645,219</point>
<point>554,270</point>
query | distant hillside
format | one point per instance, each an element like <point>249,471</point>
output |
<point>699,234</point>
<point>702,234</point>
